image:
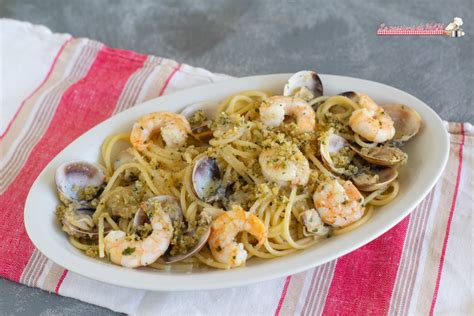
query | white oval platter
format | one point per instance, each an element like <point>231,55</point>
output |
<point>428,154</point>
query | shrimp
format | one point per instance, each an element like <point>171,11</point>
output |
<point>284,165</point>
<point>274,109</point>
<point>225,228</point>
<point>128,252</point>
<point>338,205</point>
<point>174,129</point>
<point>371,121</point>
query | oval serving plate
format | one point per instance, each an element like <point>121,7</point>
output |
<point>417,178</point>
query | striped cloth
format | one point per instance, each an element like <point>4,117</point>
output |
<point>55,87</point>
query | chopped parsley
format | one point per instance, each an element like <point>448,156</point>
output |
<point>128,251</point>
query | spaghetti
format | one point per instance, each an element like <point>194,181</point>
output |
<point>239,138</point>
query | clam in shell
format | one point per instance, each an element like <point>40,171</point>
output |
<point>197,114</point>
<point>407,121</point>
<point>333,144</point>
<point>375,178</point>
<point>170,205</point>
<point>77,221</point>
<point>304,84</point>
<point>206,179</point>
<point>385,155</point>
<point>79,181</point>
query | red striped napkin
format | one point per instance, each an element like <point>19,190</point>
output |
<point>56,87</point>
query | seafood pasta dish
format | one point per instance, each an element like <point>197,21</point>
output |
<point>261,175</point>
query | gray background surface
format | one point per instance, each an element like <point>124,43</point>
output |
<point>257,37</point>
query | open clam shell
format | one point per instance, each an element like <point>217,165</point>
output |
<point>140,218</point>
<point>170,205</point>
<point>200,128</point>
<point>77,221</point>
<point>208,109</point>
<point>407,121</point>
<point>74,177</point>
<point>332,144</point>
<point>206,179</point>
<point>167,258</point>
<point>123,157</point>
<point>381,155</point>
<point>375,178</point>
<point>304,84</point>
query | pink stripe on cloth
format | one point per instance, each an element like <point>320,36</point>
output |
<point>168,80</point>
<point>39,87</point>
<point>61,279</point>
<point>283,295</point>
<point>88,102</point>
<point>450,219</point>
<point>363,280</point>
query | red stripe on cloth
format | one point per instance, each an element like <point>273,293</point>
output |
<point>85,104</point>
<point>283,295</point>
<point>39,87</point>
<point>169,79</point>
<point>363,280</point>
<point>61,279</point>
<point>448,225</point>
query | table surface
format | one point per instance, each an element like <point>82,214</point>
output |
<point>248,37</point>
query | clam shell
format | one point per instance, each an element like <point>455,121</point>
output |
<point>382,156</point>
<point>200,132</point>
<point>123,157</point>
<point>173,209</point>
<point>167,258</point>
<point>74,223</point>
<point>75,175</point>
<point>206,179</point>
<point>332,144</point>
<point>377,179</point>
<point>307,79</point>
<point>207,107</point>
<point>407,121</point>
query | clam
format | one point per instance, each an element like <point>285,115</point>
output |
<point>123,157</point>
<point>375,178</point>
<point>168,203</point>
<point>201,242</point>
<point>333,144</point>
<point>304,84</point>
<point>200,128</point>
<point>140,218</point>
<point>79,181</point>
<point>350,94</point>
<point>208,109</point>
<point>171,206</point>
<point>231,199</point>
<point>206,179</point>
<point>77,221</point>
<point>407,122</point>
<point>385,155</point>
